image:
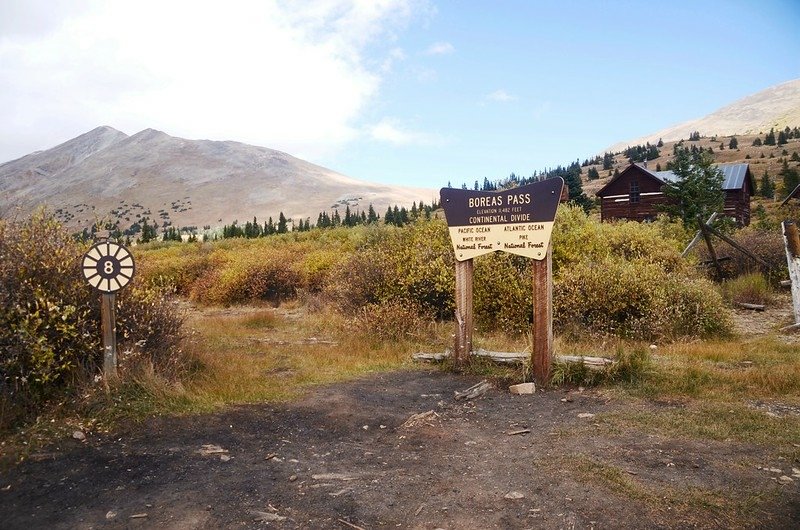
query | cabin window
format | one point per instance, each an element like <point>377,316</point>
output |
<point>634,193</point>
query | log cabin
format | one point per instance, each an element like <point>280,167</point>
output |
<point>636,193</point>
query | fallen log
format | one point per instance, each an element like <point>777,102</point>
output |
<point>518,357</point>
<point>754,307</point>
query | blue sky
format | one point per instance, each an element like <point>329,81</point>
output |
<point>399,91</point>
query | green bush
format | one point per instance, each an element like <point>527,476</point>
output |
<point>49,319</point>
<point>636,300</point>
<point>391,320</point>
<point>414,264</point>
<point>502,293</point>
<point>620,279</point>
<point>579,238</point>
<point>249,276</point>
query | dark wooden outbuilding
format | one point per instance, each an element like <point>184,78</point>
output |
<point>636,193</point>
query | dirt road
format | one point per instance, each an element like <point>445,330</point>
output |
<point>343,458</point>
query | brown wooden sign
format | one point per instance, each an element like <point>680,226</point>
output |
<point>519,220</point>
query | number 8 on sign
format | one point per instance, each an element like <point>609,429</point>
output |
<point>108,267</point>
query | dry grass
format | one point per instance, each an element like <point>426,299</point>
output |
<point>277,354</point>
<point>766,368</point>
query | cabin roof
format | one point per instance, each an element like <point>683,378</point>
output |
<point>734,176</point>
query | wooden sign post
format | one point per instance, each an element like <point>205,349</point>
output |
<point>542,328</point>
<point>108,267</point>
<point>519,221</point>
<point>463,342</point>
<point>791,240</point>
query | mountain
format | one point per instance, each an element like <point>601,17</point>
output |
<point>105,174</point>
<point>777,106</point>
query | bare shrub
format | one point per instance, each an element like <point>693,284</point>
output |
<point>392,320</point>
<point>752,288</point>
<point>766,244</point>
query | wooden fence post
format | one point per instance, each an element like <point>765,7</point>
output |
<point>791,239</point>
<point>463,341</point>
<point>707,236</point>
<point>542,329</point>
<point>109,325</point>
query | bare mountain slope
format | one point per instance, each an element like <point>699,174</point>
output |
<point>24,174</point>
<point>777,106</point>
<point>186,182</point>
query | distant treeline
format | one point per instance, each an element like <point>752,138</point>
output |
<point>144,232</point>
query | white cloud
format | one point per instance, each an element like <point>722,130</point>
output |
<point>391,131</point>
<point>440,48</point>
<point>288,75</point>
<point>501,96</point>
<point>395,55</point>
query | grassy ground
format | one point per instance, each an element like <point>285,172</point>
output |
<point>741,390</point>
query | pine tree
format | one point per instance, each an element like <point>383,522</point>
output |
<point>282,224</point>
<point>789,176</point>
<point>697,191</point>
<point>757,142</point>
<point>608,161</point>
<point>372,217</point>
<point>767,188</point>
<point>734,143</point>
<point>348,218</point>
<point>782,140</point>
<point>769,139</point>
<point>148,232</point>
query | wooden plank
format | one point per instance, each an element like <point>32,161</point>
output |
<point>464,318</point>
<point>707,236</point>
<point>736,245</point>
<point>542,328</point>
<point>109,326</point>
<point>698,236</point>
<point>754,307</point>
<point>517,358</point>
<point>791,240</point>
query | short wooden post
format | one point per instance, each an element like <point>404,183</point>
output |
<point>698,236</point>
<point>542,329</point>
<point>463,340</point>
<point>109,325</point>
<point>791,239</point>
<point>707,236</point>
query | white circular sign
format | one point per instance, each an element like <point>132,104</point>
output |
<point>108,267</point>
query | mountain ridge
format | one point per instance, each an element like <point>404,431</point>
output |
<point>189,182</point>
<point>776,107</point>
